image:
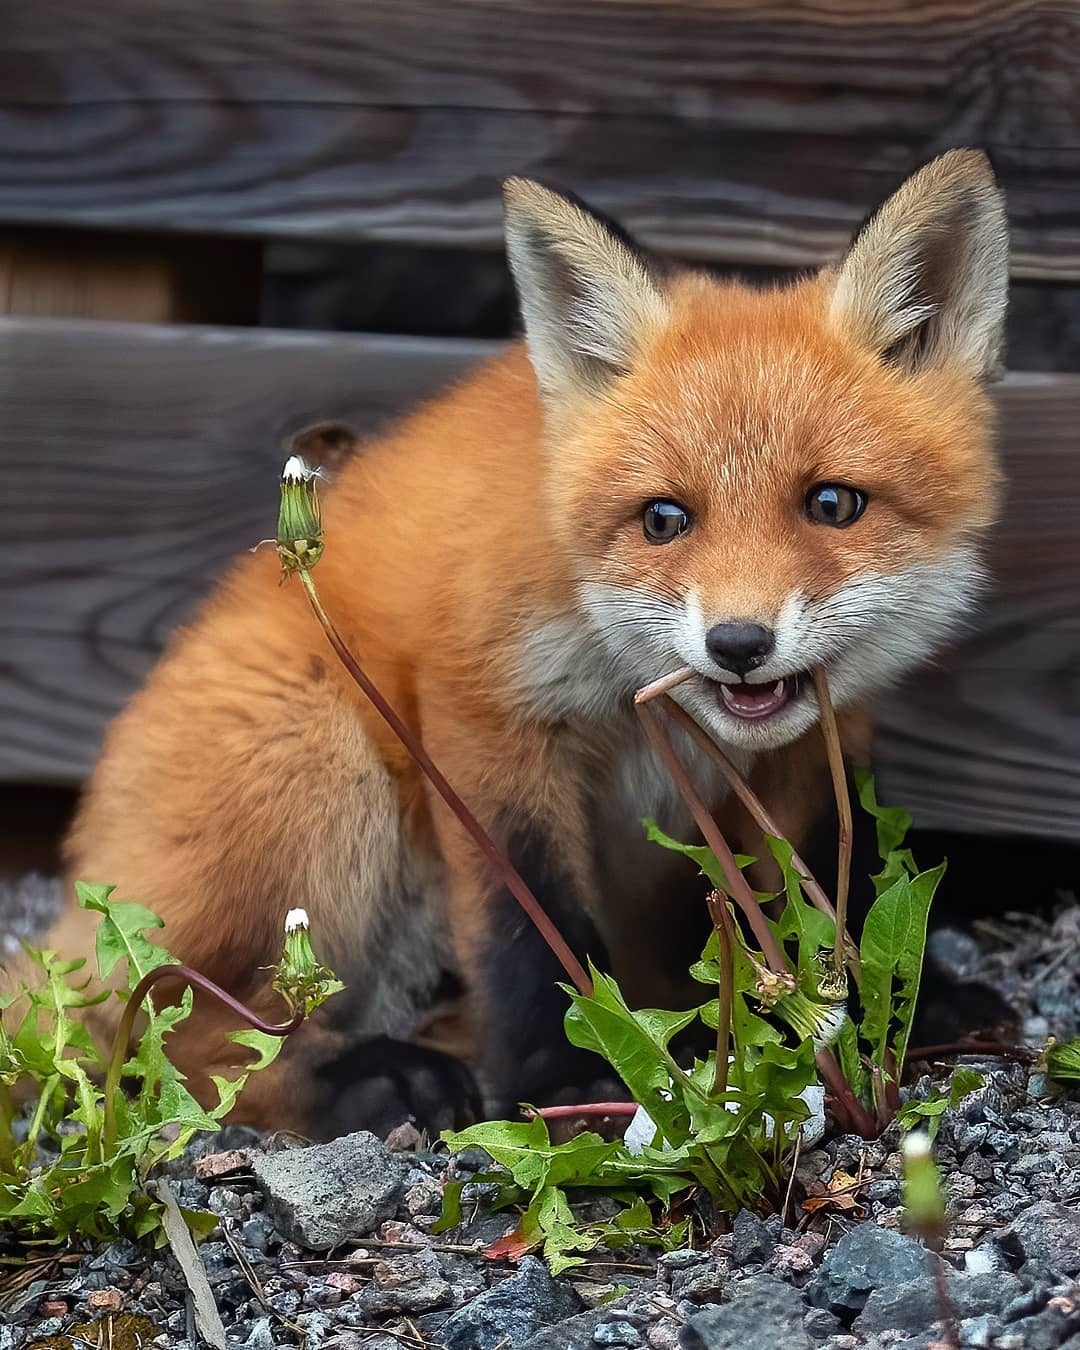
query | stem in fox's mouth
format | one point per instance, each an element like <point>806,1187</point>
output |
<point>741,893</point>
<point>831,733</point>
<point>756,807</point>
<point>511,878</point>
<point>663,684</point>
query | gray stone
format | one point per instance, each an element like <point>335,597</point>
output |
<point>317,1326</point>
<point>914,1305</point>
<point>764,1314</point>
<point>413,1283</point>
<point>574,1333</point>
<point>706,1283</point>
<point>262,1336</point>
<point>820,1324</point>
<point>511,1312</point>
<point>616,1333</point>
<point>752,1241</point>
<point>321,1195</point>
<point>1045,1331</point>
<point>258,1232</point>
<point>1046,1235</point>
<point>980,1332</point>
<point>685,1256</point>
<point>958,953</point>
<point>865,1259</point>
<point>225,1203</point>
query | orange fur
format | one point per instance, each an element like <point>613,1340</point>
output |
<point>250,776</point>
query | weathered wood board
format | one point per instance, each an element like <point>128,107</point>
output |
<point>718,129</point>
<point>137,459</point>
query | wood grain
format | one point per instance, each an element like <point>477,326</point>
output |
<point>136,460</point>
<point>990,741</point>
<point>139,460</point>
<point>717,129</point>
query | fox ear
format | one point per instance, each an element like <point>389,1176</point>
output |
<point>588,297</point>
<point>926,280</point>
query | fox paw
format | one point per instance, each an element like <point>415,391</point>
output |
<point>381,1083</point>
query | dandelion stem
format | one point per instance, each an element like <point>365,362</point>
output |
<point>512,879</point>
<point>723,924</point>
<point>833,1078</point>
<point>737,883</point>
<point>831,733</point>
<point>756,807</point>
<point>122,1037</point>
<point>584,1109</point>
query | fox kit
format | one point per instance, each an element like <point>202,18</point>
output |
<point>671,470</point>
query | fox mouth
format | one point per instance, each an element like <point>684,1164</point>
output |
<point>759,702</point>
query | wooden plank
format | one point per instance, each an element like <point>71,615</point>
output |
<point>717,129</point>
<point>136,460</point>
<point>990,741</point>
<point>141,459</point>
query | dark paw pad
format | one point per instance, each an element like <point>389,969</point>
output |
<point>381,1083</point>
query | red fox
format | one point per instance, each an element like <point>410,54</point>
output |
<point>670,470</point>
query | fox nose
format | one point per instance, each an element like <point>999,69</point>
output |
<point>739,646</point>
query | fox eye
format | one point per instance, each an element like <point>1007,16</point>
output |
<point>834,504</point>
<point>664,521</point>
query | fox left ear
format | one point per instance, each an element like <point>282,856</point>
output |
<point>926,281</point>
<point>588,297</point>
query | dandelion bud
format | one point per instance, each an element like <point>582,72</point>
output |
<point>924,1200</point>
<point>832,983</point>
<point>299,532</point>
<point>300,980</point>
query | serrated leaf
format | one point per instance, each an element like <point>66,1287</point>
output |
<point>120,933</point>
<point>852,1065</point>
<point>811,931</point>
<point>635,1045</point>
<point>893,822</point>
<point>963,1082</point>
<point>892,949</point>
<point>703,857</point>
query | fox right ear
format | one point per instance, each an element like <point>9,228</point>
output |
<point>926,281</point>
<point>587,296</point>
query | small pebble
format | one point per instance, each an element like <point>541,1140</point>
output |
<point>616,1333</point>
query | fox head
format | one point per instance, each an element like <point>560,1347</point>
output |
<point>753,482</point>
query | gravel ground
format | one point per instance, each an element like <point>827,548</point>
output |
<point>327,1246</point>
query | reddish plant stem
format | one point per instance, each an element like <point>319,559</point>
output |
<point>749,798</point>
<point>122,1038</point>
<point>511,878</point>
<point>661,686</point>
<point>585,1109</point>
<point>723,924</point>
<point>971,1046</point>
<point>831,732</point>
<point>739,886</point>
<point>946,1307</point>
<point>833,1078</point>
